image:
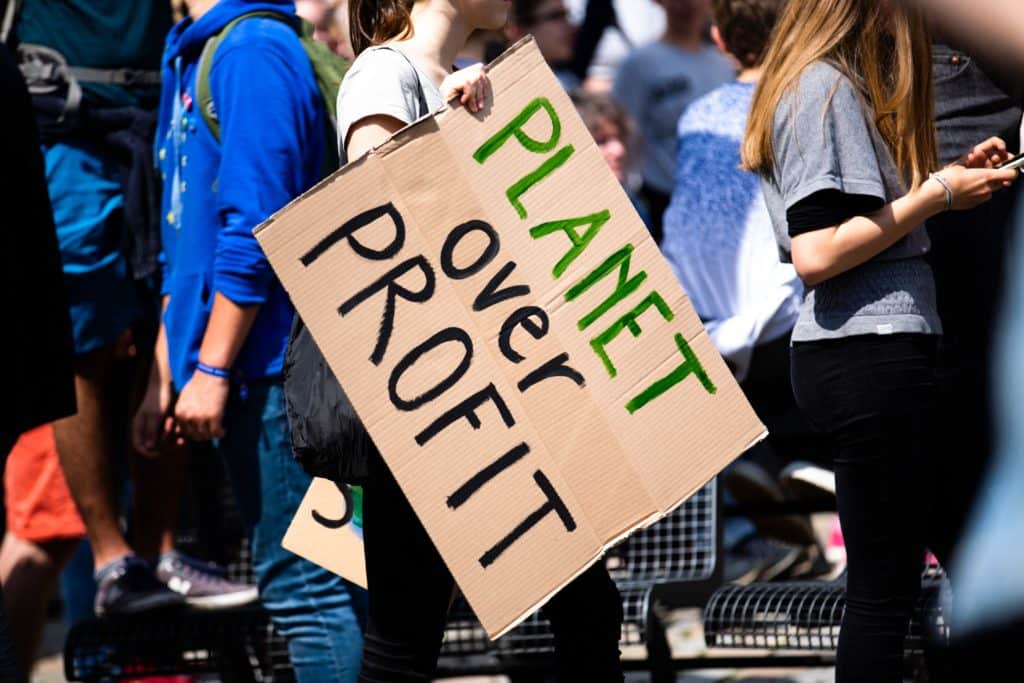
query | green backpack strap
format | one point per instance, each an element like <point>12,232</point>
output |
<point>204,95</point>
<point>328,69</point>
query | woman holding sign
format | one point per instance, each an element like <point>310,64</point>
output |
<point>841,134</point>
<point>402,72</point>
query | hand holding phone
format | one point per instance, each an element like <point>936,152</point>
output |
<point>1016,163</point>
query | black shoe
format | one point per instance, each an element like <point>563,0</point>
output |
<point>203,585</point>
<point>129,586</point>
<point>748,482</point>
<point>740,568</point>
<point>774,558</point>
<point>811,564</point>
<point>807,481</point>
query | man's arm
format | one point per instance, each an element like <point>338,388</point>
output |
<point>199,412</point>
<point>266,130</point>
<point>226,332</point>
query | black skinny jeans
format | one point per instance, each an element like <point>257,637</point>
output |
<point>410,590</point>
<point>874,397</point>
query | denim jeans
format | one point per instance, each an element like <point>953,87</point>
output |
<point>320,614</point>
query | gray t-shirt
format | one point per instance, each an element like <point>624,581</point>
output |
<point>655,84</point>
<point>383,81</point>
<point>825,139</point>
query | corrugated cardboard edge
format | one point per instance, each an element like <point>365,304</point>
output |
<point>289,541</point>
<point>653,519</point>
<point>396,140</point>
<point>543,601</point>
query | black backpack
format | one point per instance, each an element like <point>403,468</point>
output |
<point>328,439</point>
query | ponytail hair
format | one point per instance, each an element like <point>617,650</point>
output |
<point>372,22</point>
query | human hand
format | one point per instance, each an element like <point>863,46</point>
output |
<point>153,418</point>
<point>470,84</point>
<point>199,412</point>
<point>974,186</point>
<point>988,154</point>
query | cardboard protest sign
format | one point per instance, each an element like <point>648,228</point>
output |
<point>507,330</point>
<point>328,530</point>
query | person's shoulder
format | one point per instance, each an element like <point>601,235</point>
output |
<point>254,34</point>
<point>823,80</point>
<point>727,101</point>
<point>704,109</point>
<point>382,58</point>
<point>380,62</point>
<point>269,50</point>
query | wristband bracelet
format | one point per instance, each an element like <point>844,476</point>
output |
<point>210,370</point>
<point>945,186</point>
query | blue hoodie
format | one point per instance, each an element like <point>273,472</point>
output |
<point>271,117</point>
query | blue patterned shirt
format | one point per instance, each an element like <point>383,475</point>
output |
<point>718,235</point>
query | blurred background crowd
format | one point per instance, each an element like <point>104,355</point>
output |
<point>664,86</point>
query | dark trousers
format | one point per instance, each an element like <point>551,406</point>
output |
<point>768,387</point>
<point>874,398</point>
<point>657,202</point>
<point>411,590</point>
<point>988,655</point>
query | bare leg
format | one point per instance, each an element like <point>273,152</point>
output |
<point>158,485</point>
<point>85,444</point>
<point>28,573</point>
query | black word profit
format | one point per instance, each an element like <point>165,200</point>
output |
<point>414,280</point>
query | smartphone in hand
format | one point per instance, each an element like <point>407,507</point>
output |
<point>1016,163</point>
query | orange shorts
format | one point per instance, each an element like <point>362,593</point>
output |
<point>39,504</point>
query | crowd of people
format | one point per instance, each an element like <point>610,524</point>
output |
<point>821,175</point>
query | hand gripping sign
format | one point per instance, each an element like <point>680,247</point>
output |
<point>521,354</point>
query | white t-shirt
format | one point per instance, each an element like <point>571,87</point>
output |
<point>718,234</point>
<point>383,82</point>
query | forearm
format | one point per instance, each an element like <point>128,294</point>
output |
<point>226,331</point>
<point>823,254</point>
<point>161,357</point>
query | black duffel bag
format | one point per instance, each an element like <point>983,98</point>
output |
<point>328,438</point>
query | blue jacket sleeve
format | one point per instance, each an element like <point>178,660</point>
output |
<point>271,143</point>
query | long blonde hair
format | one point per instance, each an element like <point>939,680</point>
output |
<point>885,51</point>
